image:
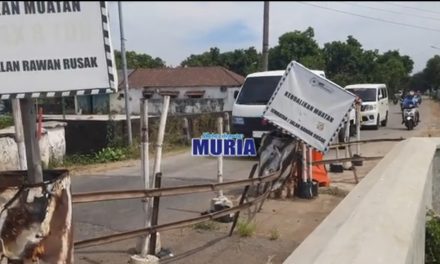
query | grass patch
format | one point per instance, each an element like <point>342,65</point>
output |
<point>6,121</point>
<point>274,234</point>
<point>207,225</point>
<point>105,155</point>
<point>246,229</point>
<point>432,239</point>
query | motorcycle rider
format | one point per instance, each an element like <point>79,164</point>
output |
<point>410,99</point>
<point>419,97</point>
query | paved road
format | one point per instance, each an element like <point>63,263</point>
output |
<point>395,128</point>
<point>181,169</point>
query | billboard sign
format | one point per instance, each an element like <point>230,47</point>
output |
<point>50,48</point>
<point>309,106</point>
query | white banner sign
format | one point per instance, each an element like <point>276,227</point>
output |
<point>308,106</point>
<point>50,48</point>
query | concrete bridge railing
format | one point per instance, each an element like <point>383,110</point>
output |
<point>382,220</point>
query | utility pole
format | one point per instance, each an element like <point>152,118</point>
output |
<point>124,69</point>
<point>266,36</point>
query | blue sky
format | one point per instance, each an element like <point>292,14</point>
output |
<point>175,30</point>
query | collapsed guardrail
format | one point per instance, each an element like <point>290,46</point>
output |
<point>190,189</point>
<point>173,191</point>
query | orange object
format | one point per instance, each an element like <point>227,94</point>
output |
<point>319,171</point>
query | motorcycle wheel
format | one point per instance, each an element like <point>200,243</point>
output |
<point>410,125</point>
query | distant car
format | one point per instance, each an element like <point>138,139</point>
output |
<point>374,109</point>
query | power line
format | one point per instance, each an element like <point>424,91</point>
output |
<point>391,11</point>
<point>371,18</point>
<point>414,8</point>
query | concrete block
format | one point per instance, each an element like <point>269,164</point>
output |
<point>149,259</point>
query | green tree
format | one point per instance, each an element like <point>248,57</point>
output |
<point>346,62</point>
<point>240,61</point>
<point>138,60</point>
<point>392,72</point>
<point>432,72</point>
<point>298,46</point>
<point>393,69</point>
<point>417,81</point>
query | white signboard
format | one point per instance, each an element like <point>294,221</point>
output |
<point>50,48</point>
<point>308,106</point>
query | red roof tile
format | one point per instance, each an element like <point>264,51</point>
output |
<point>184,77</point>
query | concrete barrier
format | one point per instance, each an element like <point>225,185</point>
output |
<point>382,220</point>
<point>52,145</point>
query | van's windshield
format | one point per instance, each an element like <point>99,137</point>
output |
<point>258,90</point>
<point>366,94</point>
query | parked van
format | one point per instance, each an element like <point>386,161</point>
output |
<point>247,111</point>
<point>375,106</point>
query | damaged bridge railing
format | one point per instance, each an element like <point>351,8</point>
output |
<point>173,191</point>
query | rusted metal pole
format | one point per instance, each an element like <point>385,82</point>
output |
<point>356,179</point>
<point>366,141</point>
<point>169,191</point>
<point>155,215</point>
<point>242,198</point>
<point>346,159</point>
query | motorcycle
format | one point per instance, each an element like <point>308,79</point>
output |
<point>410,117</point>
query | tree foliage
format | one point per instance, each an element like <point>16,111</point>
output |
<point>432,72</point>
<point>298,46</point>
<point>138,60</point>
<point>345,62</point>
<point>241,61</point>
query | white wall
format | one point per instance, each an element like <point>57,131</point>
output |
<point>52,146</point>
<point>8,154</point>
<point>118,105</point>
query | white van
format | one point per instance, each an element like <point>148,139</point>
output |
<point>375,107</point>
<point>248,108</point>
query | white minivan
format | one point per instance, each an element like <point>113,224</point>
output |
<point>248,108</point>
<point>375,107</point>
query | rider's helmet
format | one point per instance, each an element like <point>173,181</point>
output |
<point>411,93</point>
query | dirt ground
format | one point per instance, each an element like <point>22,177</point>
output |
<point>280,226</point>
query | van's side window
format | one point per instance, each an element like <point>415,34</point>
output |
<point>385,92</point>
<point>379,93</point>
